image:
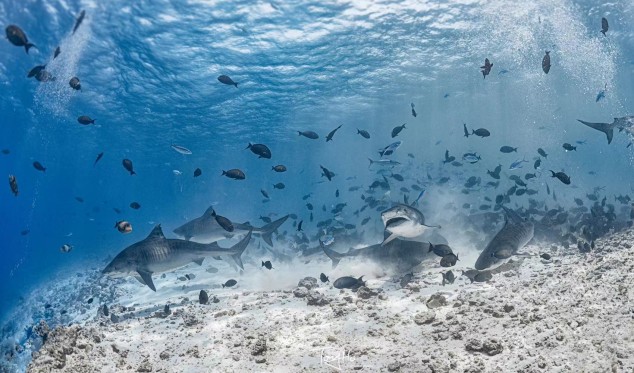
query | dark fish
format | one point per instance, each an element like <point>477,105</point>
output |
<point>44,76</point>
<point>337,193</point>
<point>265,193</point>
<point>466,131</point>
<point>449,260</point>
<point>448,158</point>
<point>265,219</point>
<point>299,226</point>
<point>520,192</point>
<point>6,151</point>
<point>604,26</point>
<point>310,134</point>
<point>234,174</point>
<point>496,172</point>
<point>79,199</point>
<point>267,264</point>
<point>396,130</point>
<point>198,172</point>
<point>508,149</point>
<point>279,186</point>
<point>448,278</point>
<point>279,168</point>
<point>79,20</point>
<point>307,196</point>
<point>529,176</point>
<point>75,83</point>
<point>327,173</point>
<point>443,180</point>
<point>486,69</point>
<point>36,70</point>
<point>261,150</point>
<point>25,232</point>
<point>348,282</point>
<point>545,256</point>
<point>484,207</point>
<point>569,147</point>
<point>413,111</point>
<point>229,283</point>
<point>538,163</point>
<point>546,62</point>
<point>482,132</point>
<point>18,38</point>
<point>38,166</point>
<point>482,276</point>
<point>332,133</point>
<point>365,221</point>
<point>441,249</point>
<point>323,278</point>
<point>127,164</point>
<point>135,205</point>
<point>225,223</point>
<point>105,310</point>
<point>89,301</point>
<point>13,183</point>
<point>227,80</point>
<point>99,156</point>
<point>398,177</point>
<point>363,133</point>
<point>203,297</point>
<point>561,176</point>
<point>116,210</point>
<point>85,120</point>
<point>542,152</point>
<point>309,206</point>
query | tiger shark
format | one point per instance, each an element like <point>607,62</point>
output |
<point>156,254</point>
<point>205,229</point>
<point>405,222</point>
<point>623,123</point>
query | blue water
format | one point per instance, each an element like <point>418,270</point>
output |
<point>149,76</point>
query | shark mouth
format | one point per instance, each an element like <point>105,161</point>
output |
<point>395,221</point>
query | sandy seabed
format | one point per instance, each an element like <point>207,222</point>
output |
<point>573,313</point>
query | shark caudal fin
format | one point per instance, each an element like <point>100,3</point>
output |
<point>267,230</point>
<point>239,248</point>
<point>607,128</point>
<point>333,255</point>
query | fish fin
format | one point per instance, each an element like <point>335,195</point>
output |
<point>199,261</point>
<point>239,248</point>
<point>157,232</point>
<point>28,46</point>
<point>333,255</point>
<point>267,230</point>
<point>210,211</point>
<point>389,239</point>
<point>139,279</point>
<point>147,278</point>
<point>607,128</point>
<point>236,84</point>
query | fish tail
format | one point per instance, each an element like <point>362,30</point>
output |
<point>267,230</point>
<point>132,172</point>
<point>333,255</point>
<point>606,128</point>
<point>236,84</point>
<point>223,286</point>
<point>431,248</point>
<point>249,146</point>
<point>239,248</point>
<point>28,46</point>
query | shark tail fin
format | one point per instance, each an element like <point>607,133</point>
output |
<point>606,128</point>
<point>267,230</point>
<point>240,247</point>
<point>333,255</point>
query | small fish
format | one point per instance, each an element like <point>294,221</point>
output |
<point>348,282</point>
<point>601,94</point>
<point>177,172</point>
<point>420,195</point>
<point>529,176</point>
<point>413,111</point>
<point>105,310</point>
<point>79,199</point>
<point>486,69</point>
<point>546,62</point>
<point>181,149</point>
<point>327,173</point>
<point>203,297</point>
<point>123,226</point>
<point>225,223</point>
<point>390,149</point>
<point>13,183</point>
<point>537,163</point>
<point>79,20</point>
<point>561,176</point>
<point>38,166</point>
<point>57,52</point>
<point>265,193</point>
<point>6,151</point>
<point>449,260</point>
<point>508,149</point>
<point>569,147</point>
<point>363,133</point>
<point>324,278</point>
<point>604,26</point>
<point>279,168</point>
<point>35,71</point>
<point>235,174</point>
<point>227,80</point>
<point>365,221</point>
<point>85,120</point>
<point>337,193</point>
<point>448,278</point>
<point>229,283</point>
<point>503,71</point>
<point>332,133</point>
<point>471,157</point>
<point>542,153</point>
<point>99,156</point>
<point>482,132</point>
<point>299,226</point>
<point>279,186</point>
<point>265,219</point>
<point>466,131</point>
<point>75,83</point>
<point>25,232</point>
<point>396,130</point>
<point>517,164</point>
<point>440,249</point>
<point>198,172</point>
<point>267,264</point>
<point>18,38</point>
<point>309,134</point>
<point>545,256</point>
<point>261,150</point>
<point>127,164</point>
<point>89,301</point>
<point>135,205</point>
<point>66,248</point>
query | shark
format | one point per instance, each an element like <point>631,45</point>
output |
<point>405,222</point>
<point>156,254</point>
<point>205,229</point>
<point>623,123</point>
<point>514,235</point>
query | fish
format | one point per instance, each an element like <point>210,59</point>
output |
<point>85,120</point>
<point>384,162</point>
<point>203,297</point>
<point>365,221</point>
<point>517,164</point>
<point>66,248</point>
<point>486,69</point>
<point>420,195</point>
<point>225,223</point>
<point>403,221</point>
<point>496,172</point>
<point>471,157</point>
<point>267,265</point>
<point>327,173</point>
<point>299,226</point>
<point>601,94</point>
<point>229,283</point>
<point>156,254</point>
<point>177,172</point>
<point>542,152</point>
<point>99,156</point>
<point>448,158</point>
<point>6,151</point>
<point>363,133</point>
<point>514,235</point>
<point>38,166</point>
<point>279,168</point>
<point>181,149</point>
<point>332,133</point>
<point>265,193</point>
<point>309,134</point>
<point>279,186</point>
<point>57,52</point>
<point>79,199</point>
<point>569,147</point>
<point>35,71</point>
<point>466,131</point>
<point>261,150</point>
<point>224,79</point>
<point>135,205</point>
<point>323,278</point>
<point>348,282</point>
<point>25,232</point>
<point>123,226</point>
<point>449,260</point>
<point>448,278</point>
<point>18,38</point>
<point>197,172</point>
<point>204,229</point>
<point>413,111</point>
<point>75,83</point>
<point>79,20</point>
<point>604,26</point>
<point>127,164</point>
<point>396,130</point>
<point>440,249</point>
<point>546,62</point>
<point>482,132</point>
<point>561,176</point>
<point>537,163</point>
<point>529,176</point>
<point>13,184</point>
<point>624,123</point>
<point>390,149</point>
<point>234,173</point>
<point>508,149</point>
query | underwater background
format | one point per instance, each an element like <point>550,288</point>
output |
<point>149,70</point>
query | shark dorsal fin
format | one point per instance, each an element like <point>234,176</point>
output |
<point>209,211</point>
<point>157,232</point>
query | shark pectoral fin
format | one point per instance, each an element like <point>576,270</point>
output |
<point>389,239</point>
<point>199,261</point>
<point>147,278</point>
<point>333,255</point>
<point>139,279</point>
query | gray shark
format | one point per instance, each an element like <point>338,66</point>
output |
<point>405,222</point>
<point>515,233</point>
<point>205,229</point>
<point>158,254</point>
<point>623,123</point>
